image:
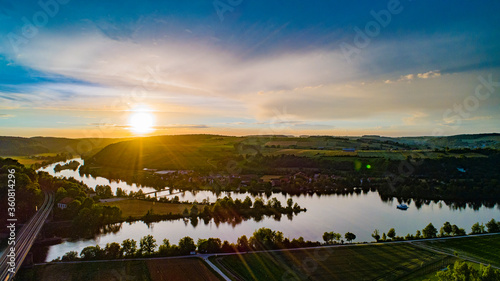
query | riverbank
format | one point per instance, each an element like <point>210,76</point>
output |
<point>390,259</point>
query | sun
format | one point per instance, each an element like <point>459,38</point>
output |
<point>141,122</point>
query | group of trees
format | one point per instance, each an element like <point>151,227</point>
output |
<point>333,237</point>
<point>461,270</point>
<point>73,165</point>
<point>27,188</point>
<point>229,209</point>
<point>262,239</point>
<point>431,232</point>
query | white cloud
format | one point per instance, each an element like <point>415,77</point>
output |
<point>430,74</point>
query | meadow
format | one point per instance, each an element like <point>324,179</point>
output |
<point>357,262</point>
<point>95,271</point>
<point>484,249</point>
<point>138,208</point>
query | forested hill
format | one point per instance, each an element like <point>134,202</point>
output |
<point>209,152</point>
<point>167,152</point>
<point>18,146</point>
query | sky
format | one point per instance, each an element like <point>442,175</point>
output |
<point>237,67</point>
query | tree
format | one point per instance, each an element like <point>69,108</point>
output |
<point>92,253</point>
<point>289,203</point>
<point>185,213</point>
<point>328,237</point>
<point>376,235</point>
<point>349,236</point>
<point>70,256</point>
<point>477,228</point>
<point>258,203</point>
<point>211,245</point>
<point>194,210</point>
<point>147,244</point>
<point>247,203</point>
<point>429,231</point>
<point>462,271</point>
<point>129,247</point>
<point>391,233</point>
<point>265,238</point>
<point>120,192</point>
<point>447,228</point>
<point>242,244</point>
<point>186,245</point>
<point>493,226</point>
<point>384,237</point>
<point>112,250</point>
<point>418,235</point>
<point>457,231</point>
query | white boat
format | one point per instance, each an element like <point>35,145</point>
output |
<point>402,207</point>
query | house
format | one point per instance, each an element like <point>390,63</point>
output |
<point>63,204</point>
<point>275,182</point>
<point>349,150</point>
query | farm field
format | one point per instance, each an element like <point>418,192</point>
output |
<point>481,248</point>
<point>138,208</point>
<point>99,271</point>
<point>180,269</point>
<point>357,262</point>
<point>25,160</point>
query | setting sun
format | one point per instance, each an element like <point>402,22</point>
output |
<point>141,122</point>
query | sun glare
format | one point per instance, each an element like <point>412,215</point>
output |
<point>141,122</point>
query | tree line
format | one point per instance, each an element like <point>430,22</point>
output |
<point>430,231</point>
<point>262,239</point>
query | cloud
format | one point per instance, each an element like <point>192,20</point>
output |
<point>413,120</point>
<point>5,116</point>
<point>430,74</point>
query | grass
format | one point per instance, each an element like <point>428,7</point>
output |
<point>361,262</point>
<point>484,249</point>
<point>137,208</point>
<point>181,269</point>
<point>99,271</point>
<point>24,160</point>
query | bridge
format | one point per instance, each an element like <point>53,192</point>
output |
<point>24,240</point>
<point>162,190</point>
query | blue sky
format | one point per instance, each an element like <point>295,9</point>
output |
<point>393,68</point>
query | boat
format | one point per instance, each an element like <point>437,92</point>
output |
<point>402,207</point>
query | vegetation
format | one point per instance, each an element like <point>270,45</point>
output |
<point>361,262</point>
<point>262,239</point>
<point>123,270</point>
<point>463,271</point>
<point>136,209</point>
<point>480,248</point>
<point>18,146</point>
<point>403,168</point>
<point>73,165</point>
<point>28,189</point>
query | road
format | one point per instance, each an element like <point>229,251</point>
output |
<point>24,239</point>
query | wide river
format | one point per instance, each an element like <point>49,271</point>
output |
<point>358,213</point>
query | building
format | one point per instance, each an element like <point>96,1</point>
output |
<point>63,204</point>
<point>349,150</point>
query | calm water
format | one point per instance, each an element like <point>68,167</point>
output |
<point>357,213</point>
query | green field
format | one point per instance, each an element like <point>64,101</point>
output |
<point>485,249</point>
<point>138,208</point>
<point>361,262</point>
<point>101,271</point>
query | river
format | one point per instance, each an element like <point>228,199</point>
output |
<point>359,213</point>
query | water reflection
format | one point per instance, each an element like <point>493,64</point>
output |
<point>359,211</point>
